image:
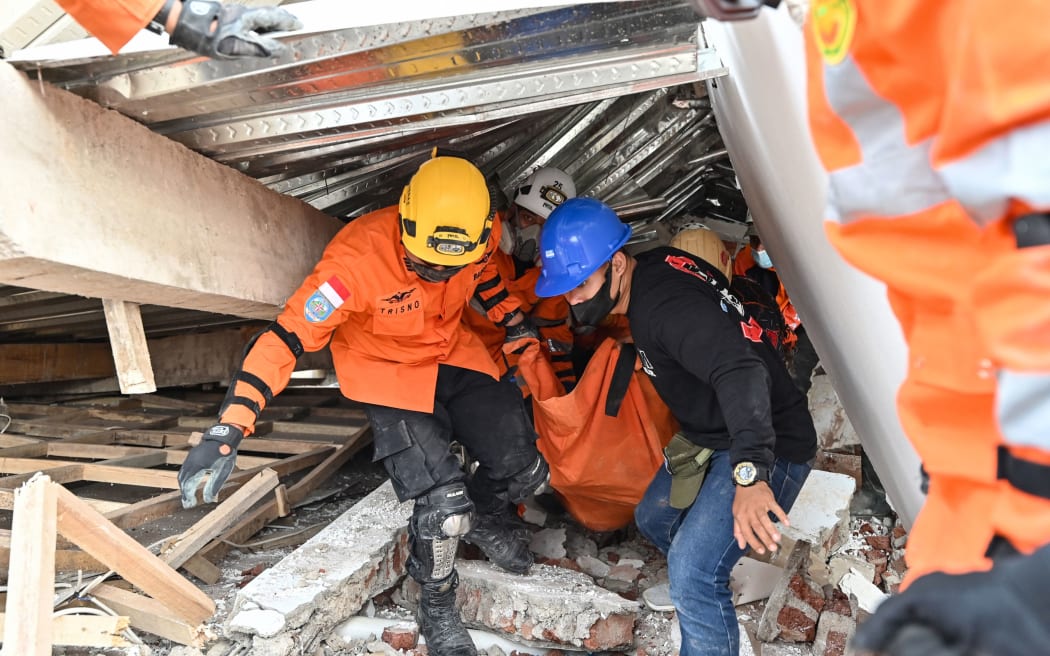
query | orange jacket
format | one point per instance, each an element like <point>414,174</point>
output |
<point>550,315</point>
<point>389,329</point>
<point>932,119</point>
<point>742,263</point>
<point>113,22</point>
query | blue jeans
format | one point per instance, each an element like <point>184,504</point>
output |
<point>701,550</point>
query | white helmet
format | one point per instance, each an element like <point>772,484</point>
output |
<point>544,190</point>
<point>541,193</point>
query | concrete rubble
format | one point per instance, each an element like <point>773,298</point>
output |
<point>346,591</point>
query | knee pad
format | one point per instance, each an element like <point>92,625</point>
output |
<point>439,519</point>
<point>534,479</point>
<point>444,512</point>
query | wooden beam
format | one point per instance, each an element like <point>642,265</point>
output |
<point>254,521</point>
<point>31,575</point>
<point>127,338</point>
<point>149,615</point>
<point>85,630</point>
<point>46,363</point>
<point>175,252</point>
<point>221,518</point>
<point>116,549</point>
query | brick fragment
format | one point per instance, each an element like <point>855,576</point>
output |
<point>401,636</point>
<point>795,625</point>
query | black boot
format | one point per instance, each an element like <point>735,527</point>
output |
<point>439,620</point>
<point>504,546</point>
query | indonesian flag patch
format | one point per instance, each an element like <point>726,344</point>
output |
<point>323,302</point>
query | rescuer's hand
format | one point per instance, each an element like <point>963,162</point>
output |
<point>215,454</point>
<point>1000,612</point>
<point>229,31</point>
<point>751,524</point>
<point>521,334</point>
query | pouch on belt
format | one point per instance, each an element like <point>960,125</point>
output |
<point>687,463</point>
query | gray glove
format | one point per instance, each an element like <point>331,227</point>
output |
<point>228,31</point>
<point>215,455</point>
<point>520,335</point>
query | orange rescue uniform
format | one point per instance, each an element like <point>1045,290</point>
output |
<point>549,315</point>
<point>113,22</point>
<point>389,329</point>
<point>933,120</point>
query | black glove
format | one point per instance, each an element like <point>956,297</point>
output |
<point>228,31</point>
<point>216,455</point>
<point>520,335</point>
<point>996,613</point>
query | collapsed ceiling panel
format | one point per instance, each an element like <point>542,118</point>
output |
<point>612,93</point>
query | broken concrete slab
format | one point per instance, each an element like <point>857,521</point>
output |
<point>557,606</point>
<point>548,543</point>
<point>868,596</point>
<point>290,606</point>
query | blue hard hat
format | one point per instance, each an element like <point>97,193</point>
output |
<point>579,237</point>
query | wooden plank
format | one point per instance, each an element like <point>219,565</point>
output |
<point>305,428</point>
<point>222,517</point>
<point>66,560</point>
<point>165,504</point>
<point>242,462</point>
<point>260,517</point>
<point>149,615</point>
<point>203,569</point>
<point>93,451</point>
<point>167,480</point>
<point>154,438</point>
<point>31,575</point>
<point>14,440</point>
<point>35,428</point>
<point>86,630</point>
<point>67,474</point>
<point>127,339</point>
<point>113,547</point>
<point>45,363</point>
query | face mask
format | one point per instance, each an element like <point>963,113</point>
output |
<point>431,274</point>
<point>762,259</point>
<point>588,314</point>
<point>527,243</point>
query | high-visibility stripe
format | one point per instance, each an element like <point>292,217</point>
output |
<point>896,178</point>
<point>893,177</point>
<point>1016,165</point>
<point>1022,408</point>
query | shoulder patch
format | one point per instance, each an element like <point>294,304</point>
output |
<point>330,294</point>
<point>834,23</point>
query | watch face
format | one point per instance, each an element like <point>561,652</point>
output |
<point>744,473</point>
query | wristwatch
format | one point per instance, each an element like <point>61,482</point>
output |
<point>747,473</point>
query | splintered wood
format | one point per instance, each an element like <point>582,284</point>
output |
<point>53,459</point>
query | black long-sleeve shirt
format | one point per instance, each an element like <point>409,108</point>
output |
<point>726,390</point>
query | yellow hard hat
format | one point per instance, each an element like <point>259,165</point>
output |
<point>707,245</point>
<point>445,212</point>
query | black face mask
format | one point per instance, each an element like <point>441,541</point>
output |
<point>431,274</point>
<point>586,315</point>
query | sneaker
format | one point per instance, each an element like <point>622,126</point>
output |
<point>658,597</point>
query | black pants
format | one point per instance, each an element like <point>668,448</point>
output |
<point>485,415</point>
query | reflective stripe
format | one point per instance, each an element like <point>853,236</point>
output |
<point>893,178</point>
<point>1022,406</point>
<point>1016,165</point>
